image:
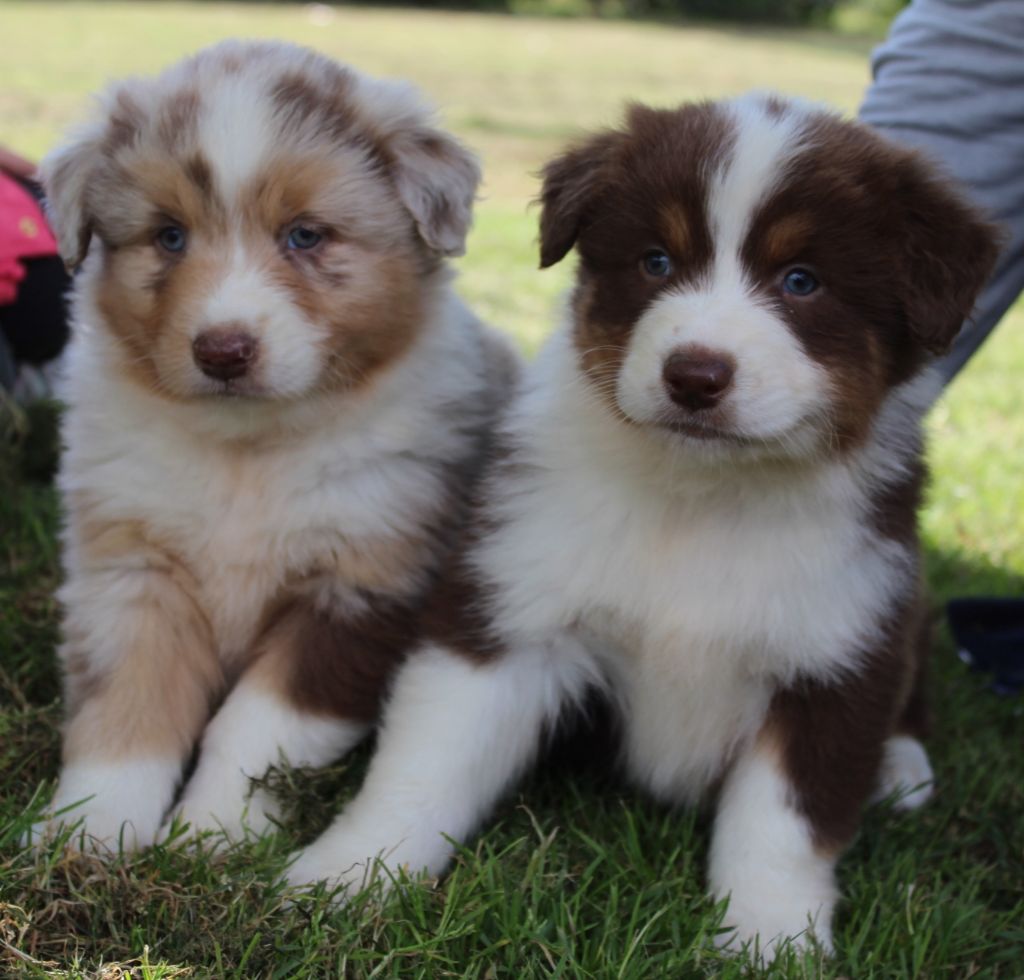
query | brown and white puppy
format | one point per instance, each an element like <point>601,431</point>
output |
<point>706,505</point>
<point>274,403</point>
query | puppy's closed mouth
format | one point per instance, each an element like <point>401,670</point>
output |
<point>704,432</point>
<point>234,388</point>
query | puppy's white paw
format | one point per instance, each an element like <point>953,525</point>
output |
<point>906,773</point>
<point>346,858</point>
<point>228,809</point>
<point>113,806</point>
<point>348,875</point>
<point>765,928</point>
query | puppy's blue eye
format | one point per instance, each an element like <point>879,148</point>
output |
<point>656,263</point>
<point>302,238</point>
<point>172,238</point>
<point>799,282</point>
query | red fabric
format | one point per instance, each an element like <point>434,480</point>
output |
<point>24,234</point>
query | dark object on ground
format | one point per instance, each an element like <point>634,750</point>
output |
<point>990,638</point>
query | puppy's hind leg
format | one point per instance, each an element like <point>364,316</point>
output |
<point>906,772</point>
<point>456,734</point>
<point>312,693</point>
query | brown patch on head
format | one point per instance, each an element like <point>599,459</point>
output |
<point>899,255</point>
<point>198,172</point>
<point>322,102</point>
<point>178,118</point>
<point>618,195</point>
<point>434,175</point>
<point>776,107</point>
<point>675,230</point>
<point>786,238</point>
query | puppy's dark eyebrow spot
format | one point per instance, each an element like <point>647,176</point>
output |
<point>198,171</point>
<point>781,240</point>
<point>325,104</point>
<point>296,96</point>
<point>179,118</point>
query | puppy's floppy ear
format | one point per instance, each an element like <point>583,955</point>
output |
<point>71,173</point>
<point>66,174</point>
<point>436,177</point>
<point>571,183</point>
<point>949,252</point>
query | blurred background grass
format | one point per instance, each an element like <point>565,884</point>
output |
<point>515,89</point>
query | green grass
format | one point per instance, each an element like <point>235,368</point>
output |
<point>577,877</point>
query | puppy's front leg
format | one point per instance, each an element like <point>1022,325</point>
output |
<point>140,672</point>
<point>764,859</point>
<point>312,693</point>
<point>792,803</point>
<point>455,735</point>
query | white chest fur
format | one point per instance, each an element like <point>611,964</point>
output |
<point>246,524</point>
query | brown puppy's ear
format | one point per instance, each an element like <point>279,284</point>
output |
<point>949,252</point>
<point>436,177</point>
<point>571,183</point>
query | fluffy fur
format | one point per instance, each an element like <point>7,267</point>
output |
<point>275,407</point>
<point>704,506</point>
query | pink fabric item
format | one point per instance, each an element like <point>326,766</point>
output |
<point>24,234</point>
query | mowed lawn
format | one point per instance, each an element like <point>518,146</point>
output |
<point>577,876</point>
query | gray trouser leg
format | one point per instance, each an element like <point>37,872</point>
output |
<point>950,80</point>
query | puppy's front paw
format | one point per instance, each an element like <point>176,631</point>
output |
<point>97,828</point>
<point>350,860</point>
<point>345,875</point>
<point>111,807</point>
<point>764,918</point>
<point>229,811</point>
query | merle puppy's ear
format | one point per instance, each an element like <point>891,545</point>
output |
<point>436,177</point>
<point>571,183</point>
<point>66,174</point>
<point>78,173</point>
<point>949,252</point>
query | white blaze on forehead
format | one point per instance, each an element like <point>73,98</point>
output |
<point>777,386</point>
<point>236,129</point>
<point>764,143</point>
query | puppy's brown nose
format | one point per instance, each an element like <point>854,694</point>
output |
<point>697,378</point>
<point>224,352</point>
